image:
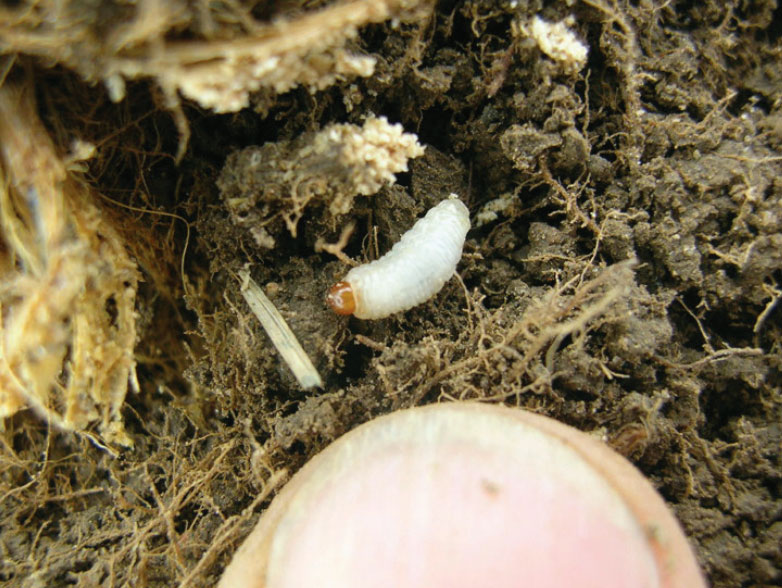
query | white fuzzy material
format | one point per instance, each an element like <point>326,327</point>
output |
<point>557,41</point>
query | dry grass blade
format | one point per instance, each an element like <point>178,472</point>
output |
<point>280,333</point>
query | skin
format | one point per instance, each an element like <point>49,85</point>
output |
<point>464,495</point>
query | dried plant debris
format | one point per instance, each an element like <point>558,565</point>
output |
<point>280,333</point>
<point>67,329</point>
<point>308,51</point>
<point>512,351</point>
<point>218,73</point>
<point>278,181</point>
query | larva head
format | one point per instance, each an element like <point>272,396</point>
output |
<point>341,299</point>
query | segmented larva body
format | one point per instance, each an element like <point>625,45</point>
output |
<point>413,271</point>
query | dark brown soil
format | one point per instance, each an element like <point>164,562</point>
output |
<point>628,282</point>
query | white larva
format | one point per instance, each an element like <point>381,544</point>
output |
<point>413,271</point>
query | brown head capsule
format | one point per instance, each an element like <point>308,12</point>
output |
<point>341,299</point>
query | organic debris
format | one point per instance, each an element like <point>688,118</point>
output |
<point>330,167</point>
<point>68,326</point>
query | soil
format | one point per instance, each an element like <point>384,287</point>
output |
<point>623,275</point>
